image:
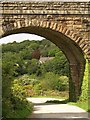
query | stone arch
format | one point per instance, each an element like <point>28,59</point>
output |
<point>12,25</point>
<point>73,46</point>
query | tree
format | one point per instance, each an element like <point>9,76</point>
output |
<point>33,66</point>
<point>36,54</point>
<point>58,65</point>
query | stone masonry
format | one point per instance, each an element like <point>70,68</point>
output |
<point>67,24</point>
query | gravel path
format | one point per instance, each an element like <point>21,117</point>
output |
<point>43,110</point>
<point>41,100</point>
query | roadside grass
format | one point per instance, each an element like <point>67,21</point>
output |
<point>20,114</point>
<point>23,113</point>
<point>82,104</point>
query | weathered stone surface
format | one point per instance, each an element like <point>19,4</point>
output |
<point>67,24</point>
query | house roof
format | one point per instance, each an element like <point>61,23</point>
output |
<point>44,59</point>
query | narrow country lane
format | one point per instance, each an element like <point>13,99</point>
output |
<point>51,111</point>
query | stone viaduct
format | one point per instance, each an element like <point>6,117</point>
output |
<point>66,24</point>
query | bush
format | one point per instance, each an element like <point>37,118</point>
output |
<point>57,65</point>
<point>17,61</point>
<point>84,94</point>
<point>7,106</point>
<point>52,81</point>
<point>19,103</point>
<point>29,92</point>
<point>63,84</point>
<point>26,80</point>
<point>51,93</point>
<point>38,90</point>
<point>56,93</point>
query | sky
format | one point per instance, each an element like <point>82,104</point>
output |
<point>19,38</point>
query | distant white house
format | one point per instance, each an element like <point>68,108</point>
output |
<point>44,59</point>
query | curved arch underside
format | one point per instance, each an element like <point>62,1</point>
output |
<point>72,51</point>
<point>10,27</point>
<point>67,45</point>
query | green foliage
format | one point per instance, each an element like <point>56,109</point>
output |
<point>52,52</point>
<point>81,104</point>
<point>26,54</point>
<point>38,90</point>
<point>50,81</point>
<point>56,93</point>
<point>84,99</point>
<point>21,55</point>
<point>48,85</point>
<point>29,92</point>
<point>23,86</point>
<point>53,81</point>
<point>11,102</point>
<point>63,84</point>
<point>58,65</point>
<point>6,106</point>
<point>25,77</point>
<point>84,94</point>
<point>22,113</point>
<point>33,66</point>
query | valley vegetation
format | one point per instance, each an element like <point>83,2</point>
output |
<point>24,75</point>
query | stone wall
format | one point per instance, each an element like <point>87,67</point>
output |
<point>73,15</point>
<point>66,24</point>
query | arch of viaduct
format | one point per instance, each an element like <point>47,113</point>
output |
<point>66,24</point>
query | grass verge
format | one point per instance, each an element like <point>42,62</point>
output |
<point>21,113</point>
<point>81,104</point>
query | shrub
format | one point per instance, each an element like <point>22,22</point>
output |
<point>38,90</point>
<point>84,94</point>
<point>29,92</point>
<point>52,81</point>
<point>63,83</point>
